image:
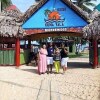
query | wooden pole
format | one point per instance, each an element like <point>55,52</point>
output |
<point>29,44</point>
<point>17,52</point>
<point>95,53</point>
<point>0,6</point>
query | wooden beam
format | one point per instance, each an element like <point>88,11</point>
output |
<point>7,39</point>
<point>53,34</point>
<point>29,43</point>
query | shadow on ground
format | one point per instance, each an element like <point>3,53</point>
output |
<point>30,70</point>
<point>79,65</point>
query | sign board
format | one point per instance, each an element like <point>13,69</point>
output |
<point>54,15</point>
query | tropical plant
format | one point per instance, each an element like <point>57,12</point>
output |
<point>47,12</point>
<point>81,3</point>
<point>37,0</point>
<point>85,3</point>
<point>4,4</point>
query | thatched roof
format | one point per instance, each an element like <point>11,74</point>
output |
<point>12,11</point>
<point>9,24</point>
<point>36,6</point>
<point>94,14</point>
<point>93,29</point>
<point>9,27</point>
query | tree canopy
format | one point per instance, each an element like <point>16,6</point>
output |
<point>5,3</point>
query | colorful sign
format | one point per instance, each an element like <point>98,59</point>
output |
<point>53,18</point>
<point>54,15</point>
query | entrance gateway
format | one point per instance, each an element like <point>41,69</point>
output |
<point>57,16</point>
<point>50,18</point>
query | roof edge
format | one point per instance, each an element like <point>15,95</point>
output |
<point>34,8</point>
<point>77,9</point>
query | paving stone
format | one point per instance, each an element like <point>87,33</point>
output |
<point>82,83</point>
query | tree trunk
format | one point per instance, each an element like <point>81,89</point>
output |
<point>0,6</point>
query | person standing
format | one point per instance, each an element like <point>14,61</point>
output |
<point>42,60</point>
<point>57,59</point>
<point>31,55</point>
<point>50,50</point>
<point>64,58</point>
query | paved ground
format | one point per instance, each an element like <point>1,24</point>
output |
<point>80,82</point>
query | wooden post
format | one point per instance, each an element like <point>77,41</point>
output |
<point>73,47</point>
<point>17,44</point>
<point>29,44</point>
<point>0,6</point>
<point>95,53</point>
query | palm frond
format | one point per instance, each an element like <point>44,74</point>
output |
<point>47,12</point>
<point>5,3</point>
<point>90,4</point>
<point>83,3</point>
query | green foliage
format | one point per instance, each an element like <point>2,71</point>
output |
<point>37,0</point>
<point>98,7</point>
<point>84,3</point>
<point>5,3</point>
<point>47,12</point>
<point>80,55</point>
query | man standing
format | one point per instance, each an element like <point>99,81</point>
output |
<point>50,51</point>
<point>64,56</point>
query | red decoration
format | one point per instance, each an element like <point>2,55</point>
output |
<point>17,52</point>
<point>12,7</point>
<point>95,52</point>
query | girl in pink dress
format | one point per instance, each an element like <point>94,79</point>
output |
<point>42,60</point>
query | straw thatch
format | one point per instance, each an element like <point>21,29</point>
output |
<point>12,11</point>
<point>9,27</point>
<point>9,23</point>
<point>36,6</point>
<point>94,14</point>
<point>93,29</point>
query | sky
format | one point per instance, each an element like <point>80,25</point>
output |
<point>23,5</point>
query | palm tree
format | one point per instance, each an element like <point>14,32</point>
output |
<point>4,4</point>
<point>37,0</point>
<point>84,3</point>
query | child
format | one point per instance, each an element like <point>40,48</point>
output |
<point>57,59</point>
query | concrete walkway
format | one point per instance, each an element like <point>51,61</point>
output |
<point>80,82</point>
